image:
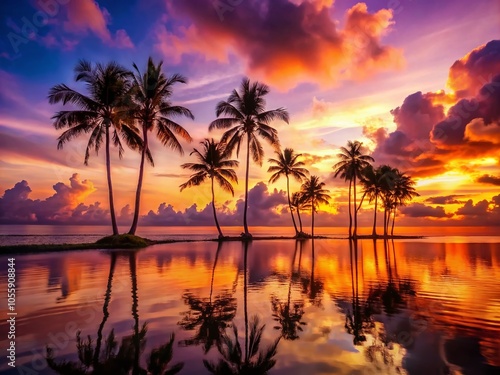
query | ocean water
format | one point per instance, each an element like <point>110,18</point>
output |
<point>429,306</point>
<point>60,234</point>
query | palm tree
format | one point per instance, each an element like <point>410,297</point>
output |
<point>388,176</point>
<point>287,165</point>
<point>402,193</point>
<point>102,113</point>
<point>245,116</point>
<point>154,111</point>
<point>313,192</point>
<point>352,162</point>
<point>214,163</point>
<point>371,179</point>
<point>298,203</point>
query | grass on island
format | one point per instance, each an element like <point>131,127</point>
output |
<point>130,242</point>
<point>120,241</point>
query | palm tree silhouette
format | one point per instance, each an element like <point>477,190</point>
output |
<point>253,361</point>
<point>211,317</point>
<point>289,317</point>
<point>298,203</point>
<point>371,179</point>
<point>287,165</point>
<point>312,192</point>
<point>402,193</point>
<point>246,117</point>
<point>103,113</point>
<point>154,111</point>
<point>214,163</point>
<point>352,162</point>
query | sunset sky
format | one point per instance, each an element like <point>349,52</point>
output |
<point>418,82</point>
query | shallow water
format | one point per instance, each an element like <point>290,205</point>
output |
<point>415,307</point>
<point>70,234</point>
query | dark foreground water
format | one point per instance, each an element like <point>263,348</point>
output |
<point>410,307</point>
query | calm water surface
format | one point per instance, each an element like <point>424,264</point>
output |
<point>60,234</point>
<point>328,307</point>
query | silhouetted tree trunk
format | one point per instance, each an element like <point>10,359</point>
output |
<point>133,228</point>
<point>290,204</point>
<point>214,210</point>
<point>374,231</point>
<point>110,185</point>
<point>245,224</point>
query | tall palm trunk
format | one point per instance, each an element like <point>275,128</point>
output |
<point>393,220</point>
<point>215,211</point>
<point>133,228</point>
<point>245,224</point>
<point>355,210</point>
<point>374,231</point>
<point>110,185</point>
<point>300,220</point>
<point>312,219</point>
<point>385,222</point>
<point>350,209</point>
<point>290,204</point>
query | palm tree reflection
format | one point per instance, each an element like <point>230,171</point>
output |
<point>358,320</point>
<point>287,315</point>
<point>253,361</point>
<point>111,358</point>
<point>311,286</point>
<point>210,317</point>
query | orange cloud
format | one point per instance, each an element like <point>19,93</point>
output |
<point>284,42</point>
<point>427,142</point>
<point>86,16</point>
<point>468,74</point>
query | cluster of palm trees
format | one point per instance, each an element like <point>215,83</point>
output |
<point>393,187</point>
<point>121,105</point>
<point>124,106</point>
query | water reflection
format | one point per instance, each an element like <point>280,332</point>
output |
<point>289,313</point>
<point>209,317</point>
<point>255,361</point>
<point>114,359</point>
<point>283,307</point>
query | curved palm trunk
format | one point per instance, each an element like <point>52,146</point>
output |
<point>355,210</point>
<point>350,209</point>
<point>300,220</point>
<point>110,185</point>
<point>214,210</point>
<point>245,224</point>
<point>290,204</point>
<point>374,230</point>
<point>135,312</point>
<point>105,312</point>
<point>133,228</point>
